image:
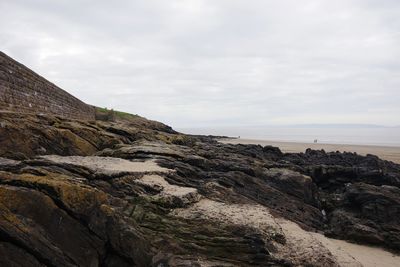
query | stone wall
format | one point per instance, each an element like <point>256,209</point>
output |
<point>22,90</point>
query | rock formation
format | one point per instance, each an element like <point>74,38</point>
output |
<point>133,192</point>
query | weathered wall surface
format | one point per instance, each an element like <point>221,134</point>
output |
<point>25,91</point>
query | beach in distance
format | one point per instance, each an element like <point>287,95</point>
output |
<point>391,153</point>
<point>362,139</point>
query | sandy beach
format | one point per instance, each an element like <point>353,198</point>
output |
<point>384,152</point>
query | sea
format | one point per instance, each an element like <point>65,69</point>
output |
<point>352,135</point>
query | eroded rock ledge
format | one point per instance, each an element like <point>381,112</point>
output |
<point>130,194</point>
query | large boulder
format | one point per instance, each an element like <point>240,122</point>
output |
<point>292,183</point>
<point>369,214</point>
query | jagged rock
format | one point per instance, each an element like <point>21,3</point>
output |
<point>107,166</point>
<point>134,195</point>
<point>33,219</point>
<point>293,183</point>
<point>144,149</point>
<point>169,195</point>
<point>25,135</point>
<point>43,212</point>
<point>13,255</point>
<point>286,242</point>
<point>369,214</point>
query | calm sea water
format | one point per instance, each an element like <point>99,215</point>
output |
<point>384,136</point>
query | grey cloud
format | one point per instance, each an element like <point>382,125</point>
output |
<point>204,62</point>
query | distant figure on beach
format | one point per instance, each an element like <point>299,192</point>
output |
<point>315,141</point>
<point>324,215</point>
<point>239,137</point>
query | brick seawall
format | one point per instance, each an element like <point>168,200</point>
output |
<point>22,90</point>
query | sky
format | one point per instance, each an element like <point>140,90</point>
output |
<point>212,63</point>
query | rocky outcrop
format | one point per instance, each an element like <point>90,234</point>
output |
<point>368,213</point>
<point>122,194</point>
<point>23,136</point>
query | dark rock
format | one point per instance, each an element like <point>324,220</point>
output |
<point>69,211</point>
<point>12,255</point>
<point>369,214</point>
<point>293,183</point>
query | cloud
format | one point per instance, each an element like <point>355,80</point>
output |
<point>228,62</point>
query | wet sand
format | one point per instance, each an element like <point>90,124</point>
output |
<point>384,152</point>
<point>367,256</point>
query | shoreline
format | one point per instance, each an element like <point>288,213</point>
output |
<point>391,153</point>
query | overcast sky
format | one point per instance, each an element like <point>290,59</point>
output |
<point>194,63</point>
